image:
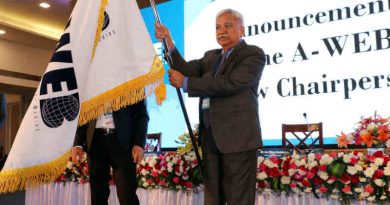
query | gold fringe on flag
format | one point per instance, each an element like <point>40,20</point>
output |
<point>99,26</point>
<point>19,179</point>
<point>125,94</point>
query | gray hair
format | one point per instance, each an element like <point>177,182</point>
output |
<point>237,15</point>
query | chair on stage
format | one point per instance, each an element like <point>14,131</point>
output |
<point>153,142</point>
<point>305,136</point>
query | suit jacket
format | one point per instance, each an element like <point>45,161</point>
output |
<point>131,125</point>
<point>233,94</point>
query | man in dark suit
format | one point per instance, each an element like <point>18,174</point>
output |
<point>227,81</point>
<point>3,109</point>
<point>115,139</point>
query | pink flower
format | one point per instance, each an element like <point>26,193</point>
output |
<point>274,172</point>
<point>355,179</point>
<point>310,175</point>
<point>318,156</point>
<point>346,189</point>
<point>293,165</point>
<point>188,184</point>
<point>305,183</point>
<point>370,158</point>
<point>262,167</point>
<point>176,180</point>
<point>274,159</point>
<point>323,167</point>
<point>345,178</point>
<point>260,184</point>
<point>154,173</point>
<point>293,185</point>
<point>369,189</point>
<point>318,181</point>
<point>378,174</point>
<point>354,160</point>
<point>163,183</point>
<point>323,189</point>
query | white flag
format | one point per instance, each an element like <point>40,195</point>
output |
<point>104,60</point>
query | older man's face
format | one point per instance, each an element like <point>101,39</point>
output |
<point>228,31</point>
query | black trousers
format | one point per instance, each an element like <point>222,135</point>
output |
<point>105,151</point>
<point>229,178</point>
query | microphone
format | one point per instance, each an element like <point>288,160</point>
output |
<point>308,129</point>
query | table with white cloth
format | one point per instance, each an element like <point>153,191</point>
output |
<point>71,193</point>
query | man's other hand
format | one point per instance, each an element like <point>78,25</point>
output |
<point>137,153</point>
<point>176,78</point>
<point>77,154</point>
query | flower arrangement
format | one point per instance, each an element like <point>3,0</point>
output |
<point>344,177</point>
<point>174,171</point>
<point>171,171</point>
<point>370,131</point>
<point>73,173</point>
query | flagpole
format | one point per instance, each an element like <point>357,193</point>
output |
<point>168,57</point>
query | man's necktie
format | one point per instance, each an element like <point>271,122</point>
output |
<point>223,58</point>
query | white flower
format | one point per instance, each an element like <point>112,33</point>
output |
<point>362,179</point>
<point>364,195</point>
<point>270,164</point>
<point>325,159</point>
<point>170,166</point>
<point>308,189</point>
<point>360,155</point>
<point>144,172</point>
<point>369,172</point>
<point>312,164</point>
<point>291,172</point>
<point>379,182</point>
<point>262,175</point>
<point>181,168</point>
<point>383,197</point>
<point>285,180</point>
<point>260,160</point>
<point>388,143</point>
<point>145,184</point>
<point>311,157</point>
<point>347,158</point>
<point>296,190</point>
<point>334,196</point>
<point>340,154</point>
<point>371,198</point>
<point>301,172</point>
<point>358,190</point>
<point>352,170</point>
<point>358,167</point>
<point>143,162</point>
<point>386,171</point>
<point>323,175</point>
<point>378,161</point>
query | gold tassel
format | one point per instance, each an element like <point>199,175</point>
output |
<point>125,94</point>
<point>99,27</point>
<point>19,179</point>
<point>161,93</point>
